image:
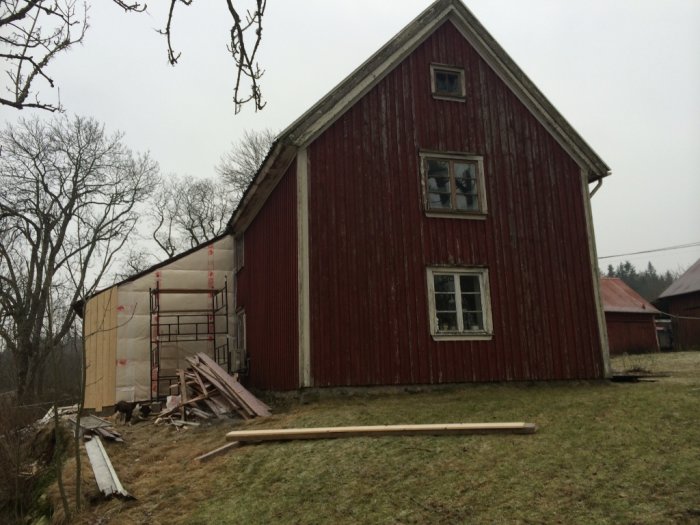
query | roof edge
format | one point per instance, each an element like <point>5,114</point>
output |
<point>688,282</point>
<point>79,305</point>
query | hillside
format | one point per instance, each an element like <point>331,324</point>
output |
<point>604,453</point>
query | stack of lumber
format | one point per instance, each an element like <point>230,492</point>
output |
<point>62,413</point>
<point>208,391</point>
<point>95,426</point>
<point>108,433</point>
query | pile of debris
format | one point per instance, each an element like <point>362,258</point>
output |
<point>207,391</point>
<point>63,412</point>
<point>96,426</point>
<point>87,426</point>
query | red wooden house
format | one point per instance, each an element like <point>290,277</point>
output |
<point>629,318</point>
<point>681,300</point>
<point>427,221</point>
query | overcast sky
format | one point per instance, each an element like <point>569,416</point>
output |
<point>624,73</point>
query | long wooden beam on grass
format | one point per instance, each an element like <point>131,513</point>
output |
<point>287,434</point>
<point>217,451</point>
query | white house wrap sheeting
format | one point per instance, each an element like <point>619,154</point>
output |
<point>206,268</point>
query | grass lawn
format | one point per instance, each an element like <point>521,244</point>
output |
<point>604,453</point>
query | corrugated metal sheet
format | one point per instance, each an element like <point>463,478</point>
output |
<point>267,290</point>
<point>631,333</point>
<point>618,297</point>
<point>371,241</point>
<point>687,283</point>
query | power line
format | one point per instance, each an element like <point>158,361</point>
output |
<point>680,316</point>
<point>677,247</point>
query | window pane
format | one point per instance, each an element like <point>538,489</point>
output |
<point>438,168</point>
<point>447,322</point>
<point>471,302</point>
<point>438,184</point>
<point>444,283</point>
<point>465,170</point>
<point>445,302</point>
<point>439,200</point>
<point>469,283</point>
<point>466,186</point>
<point>473,321</point>
<point>463,186</point>
<point>467,202</point>
<point>447,82</point>
<point>439,196</point>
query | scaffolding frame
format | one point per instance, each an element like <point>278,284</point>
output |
<point>175,325</point>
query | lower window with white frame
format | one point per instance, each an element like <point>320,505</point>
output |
<point>460,306</point>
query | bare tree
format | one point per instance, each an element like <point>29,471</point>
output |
<point>240,164</point>
<point>187,212</point>
<point>242,50</point>
<point>134,260</point>
<point>66,208</point>
<point>34,32</point>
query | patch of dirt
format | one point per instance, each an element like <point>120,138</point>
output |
<point>668,367</point>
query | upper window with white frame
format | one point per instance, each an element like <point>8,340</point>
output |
<point>447,82</point>
<point>460,306</point>
<point>454,184</point>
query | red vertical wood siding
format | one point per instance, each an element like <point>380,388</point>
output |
<point>267,290</point>
<point>631,333</point>
<point>686,332</point>
<point>370,241</point>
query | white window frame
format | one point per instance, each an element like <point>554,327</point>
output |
<point>434,68</point>
<point>478,160</point>
<point>241,329</point>
<point>239,251</point>
<point>462,334</point>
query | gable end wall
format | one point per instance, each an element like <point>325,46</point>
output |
<point>370,241</point>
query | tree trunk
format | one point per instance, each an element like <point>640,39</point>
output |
<point>21,358</point>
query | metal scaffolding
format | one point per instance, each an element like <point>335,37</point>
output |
<point>181,321</point>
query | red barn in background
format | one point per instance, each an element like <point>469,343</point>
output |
<point>428,221</point>
<point>681,301</point>
<point>629,318</point>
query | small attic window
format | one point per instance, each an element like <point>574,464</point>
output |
<point>447,82</point>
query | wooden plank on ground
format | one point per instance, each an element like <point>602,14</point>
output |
<point>199,380</point>
<point>183,393</point>
<point>192,401</point>
<point>225,395</point>
<point>286,434</point>
<point>260,408</point>
<point>217,410</point>
<point>218,451</point>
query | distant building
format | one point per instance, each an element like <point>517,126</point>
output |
<point>629,318</point>
<point>681,301</point>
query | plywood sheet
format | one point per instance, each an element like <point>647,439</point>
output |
<point>100,332</point>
